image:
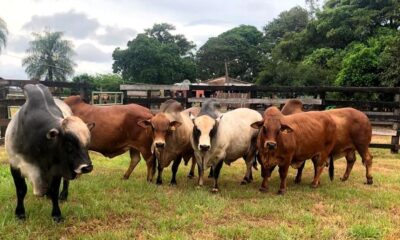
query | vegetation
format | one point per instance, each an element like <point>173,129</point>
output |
<point>3,33</point>
<point>49,57</point>
<point>103,206</point>
<point>100,82</point>
<point>156,56</point>
<point>239,47</point>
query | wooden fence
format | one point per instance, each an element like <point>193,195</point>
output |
<point>381,112</point>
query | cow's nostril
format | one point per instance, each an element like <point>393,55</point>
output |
<point>87,169</point>
<point>271,145</point>
<point>204,147</point>
<point>160,145</point>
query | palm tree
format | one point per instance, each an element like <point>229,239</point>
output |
<point>3,33</point>
<point>49,56</point>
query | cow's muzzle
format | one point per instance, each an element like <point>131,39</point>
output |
<point>84,168</point>
<point>160,144</point>
<point>204,148</point>
<point>270,145</point>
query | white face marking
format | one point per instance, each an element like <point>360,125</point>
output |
<point>204,124</point>
<point>76,126</point>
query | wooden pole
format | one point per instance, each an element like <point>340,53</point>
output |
<point>396,126</point>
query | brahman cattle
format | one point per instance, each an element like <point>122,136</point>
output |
<point>43,145</point>
<point>353,133</point>
<point>223,138</point>
<point>172,128</point>
<point>116,132</point>
<point>290,140</point>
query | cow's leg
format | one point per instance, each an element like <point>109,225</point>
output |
<point>266,174</point>
<point>249,163</point>
<point>350,159</point>
<point>159,176</point>
<point>135,158</point>
<point>216,172</point>
<point>174,168</point>
<point>211,173</point>
<point>191,173</point>
<point>367,161</point>
<point>20,186</point>
<point>55,189</point>
<point>151,167</point>
<point>319,165</point>
<point>201,173</point>
<point>64,191</point>
<point>283,171</point>
<point>297,180</point>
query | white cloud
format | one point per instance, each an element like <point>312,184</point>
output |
<point>91,53</point>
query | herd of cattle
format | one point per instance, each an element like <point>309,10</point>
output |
<point>48,140</point>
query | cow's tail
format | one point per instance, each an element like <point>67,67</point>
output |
<point>331,168</point>
<point>255,161</point>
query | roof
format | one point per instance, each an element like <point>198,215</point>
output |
<point>223,81</point>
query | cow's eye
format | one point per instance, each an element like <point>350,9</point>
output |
<point>264,130</point>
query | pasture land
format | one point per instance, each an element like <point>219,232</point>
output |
<point>103,206</point>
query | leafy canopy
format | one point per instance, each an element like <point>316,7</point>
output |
<point>49,57</point>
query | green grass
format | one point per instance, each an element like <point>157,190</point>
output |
<point>103,206</point>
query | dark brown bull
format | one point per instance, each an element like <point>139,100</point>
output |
<point>353,133</point>
<point>172,128</point>
<point>116,132</point>
<point>290,140</point>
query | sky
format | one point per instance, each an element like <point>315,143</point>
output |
<point>97,27</point>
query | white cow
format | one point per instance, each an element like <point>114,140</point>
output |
<point>224,139</point>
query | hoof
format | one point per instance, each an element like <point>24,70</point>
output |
<point>215,190</point>
<point>314,185</point>
<point>21,216</point>
<point>173,183</point>
<point>369,181</point>
<point>159,182</point>
<point>63,196</point>
<point>125,177</point>
<point>343,179</point>
<point>263,189</point>
<point>243,182</point>
<point>58,219</point>
<point>297,181</point>
<point>190,176</point>
<point>281,192</point>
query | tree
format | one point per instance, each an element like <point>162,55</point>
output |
<point>288,22</point>
<point>100,82</point>
<point>49,57</point>
<point>156,56</point>
<point>240,47</point>
<point>3,33</point>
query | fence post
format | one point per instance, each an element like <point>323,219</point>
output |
<point>148,99</point>
<point>322,95</point>
<point>188,95</point>
<point>3,115</point>
<point>396,125</point>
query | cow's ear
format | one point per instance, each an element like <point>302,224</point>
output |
<point>144,123</point>
<point>258,124</point>
<point>174,124</point>
<point>91,125</point>
<point>286,129</point>
<point>52,134</point>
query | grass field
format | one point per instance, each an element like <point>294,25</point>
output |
<point>102,206</point>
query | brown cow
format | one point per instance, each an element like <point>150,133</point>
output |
<point>290,140</point>
<point>353,132</point>
<point>171,129</point>
<point>116,131</point>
